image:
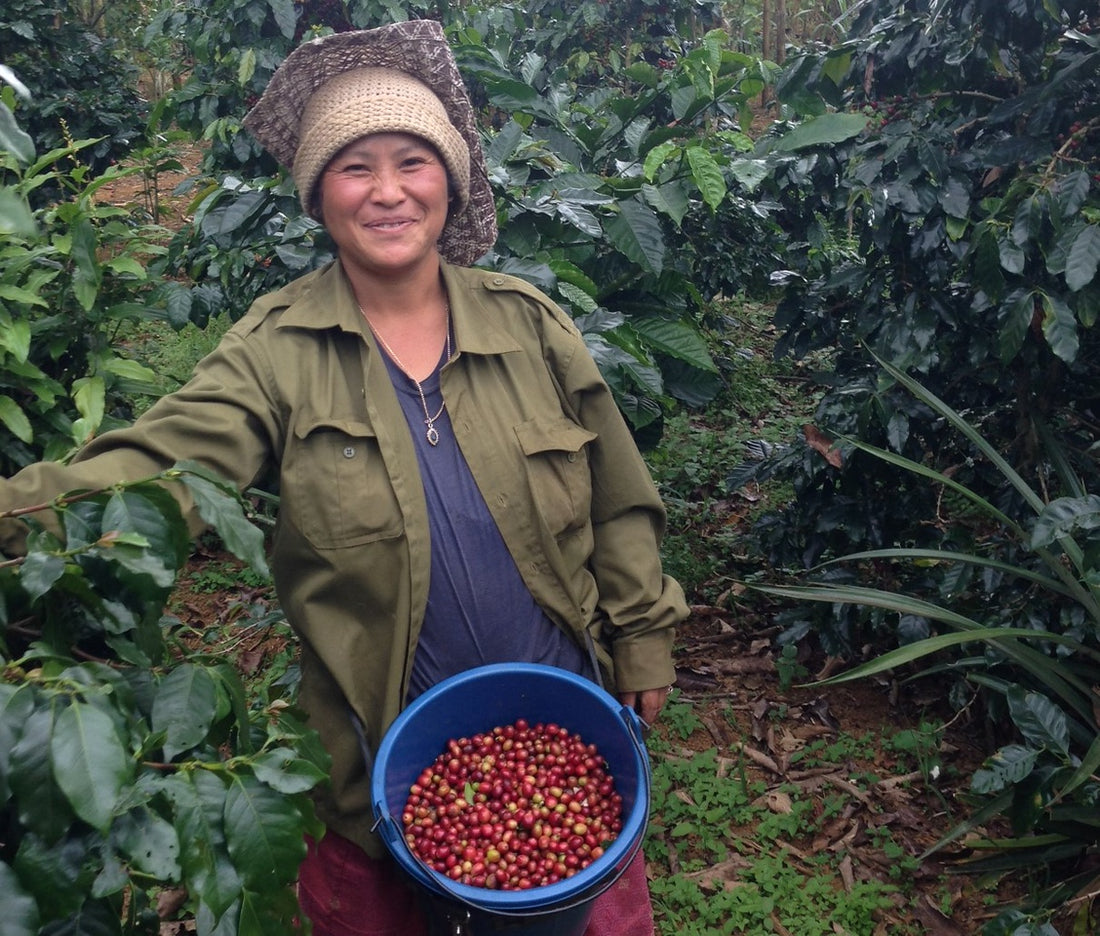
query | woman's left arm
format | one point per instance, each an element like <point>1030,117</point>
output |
<point>639,605</point>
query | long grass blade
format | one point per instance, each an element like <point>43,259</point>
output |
<point>1073,691</point>
<point>948,556</point>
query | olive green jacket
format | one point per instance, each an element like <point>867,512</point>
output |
<point>298,383</point>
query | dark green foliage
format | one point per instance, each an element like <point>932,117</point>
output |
<point>957,234</point>
<point>122,769</point>
<point>234,47</point>
<point>244,241</point>
<point>81,86</point>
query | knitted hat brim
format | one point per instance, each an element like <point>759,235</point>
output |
<point>417,47</point>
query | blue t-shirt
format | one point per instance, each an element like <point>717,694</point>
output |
<point>479,608</point>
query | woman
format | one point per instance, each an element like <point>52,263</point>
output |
<point>457,486</point>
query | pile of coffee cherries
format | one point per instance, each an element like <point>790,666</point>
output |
<point>516,807</point>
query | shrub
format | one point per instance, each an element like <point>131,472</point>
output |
<point>81,87</point>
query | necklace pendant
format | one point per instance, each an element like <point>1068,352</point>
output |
<point>432,435</point>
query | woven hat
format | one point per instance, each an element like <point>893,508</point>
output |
<point>333,90</point>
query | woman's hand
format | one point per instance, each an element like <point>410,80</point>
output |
<point>647,703</point>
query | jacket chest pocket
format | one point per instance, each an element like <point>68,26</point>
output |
<point>335,487</point>
<point>557,471</point>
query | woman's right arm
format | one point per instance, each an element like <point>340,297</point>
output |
<point>226,418</point>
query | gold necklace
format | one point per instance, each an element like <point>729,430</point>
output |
<point>432,434</point>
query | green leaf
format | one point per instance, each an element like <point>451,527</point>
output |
<point>677,338</point>
<point>285,16</point>
<point>50,874</point>
<point>955,199</point>
<point>1084,258</point>
<point>150,842</point>
<point>635,230</point>
<point>1063,517</point>
<point>12,416</point>
<point>836,66</point>
<point>42,806</point>
<point>128,265</point>
<point>657,157</point>
<point>1040,721</point>
<point>1028,221</point>
<point>184,708</point>
<point>89,762</point>
<point>129,370</point>
<point>580,301</point>
<point>88,275</point>
<point>220,507</point>
<point>283,770</point>
<point>1011,256</point>
<point>16,705</point>
<point>825,129</point>
<point>263,832</point>
<point>177,303</point>
<point>1059,327</point>
<point>18,910</point>
<point>1018,312</point>
<point>233,698</point>
<point>14,139</point>
<point>89,395</point>
<point>15,336</point>
<point>39,573</point>
<point>16,216</point>
<point>570,273</point>
<point>1008,766</point>
<point>750,172</point>
<point>94,918</point>
<point>580,218</point>
<point>246,68</point>
<point>707,176</point>
<point>670,198</point>
<point>208,872</point>
<point>1072,192</point>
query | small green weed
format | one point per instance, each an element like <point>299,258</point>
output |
<point>679,717</point>
<point>226,576</point>
<point>171,354</point>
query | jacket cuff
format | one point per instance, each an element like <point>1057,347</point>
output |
<point>644,661</point>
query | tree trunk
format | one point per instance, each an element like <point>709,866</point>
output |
<point>780,30</point>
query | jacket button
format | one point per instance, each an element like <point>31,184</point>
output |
<point>572,456</point>
<point>349,451</point>
<point>498,280</point>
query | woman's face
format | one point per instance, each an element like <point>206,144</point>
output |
<point>384,200</point>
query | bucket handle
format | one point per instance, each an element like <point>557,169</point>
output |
<point>637,729</point>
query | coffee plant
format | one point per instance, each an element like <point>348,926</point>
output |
<point>128,774</point>
<point>81,86</point>
<point>947,217</point>
<point>73,277</point>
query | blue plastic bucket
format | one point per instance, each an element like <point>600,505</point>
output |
<point>479,700</point>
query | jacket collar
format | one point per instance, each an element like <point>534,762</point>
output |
<point>330,304</point>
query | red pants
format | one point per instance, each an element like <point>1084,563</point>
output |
<point>345,893</point>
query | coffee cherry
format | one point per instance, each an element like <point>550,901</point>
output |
<point>516,807</point>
